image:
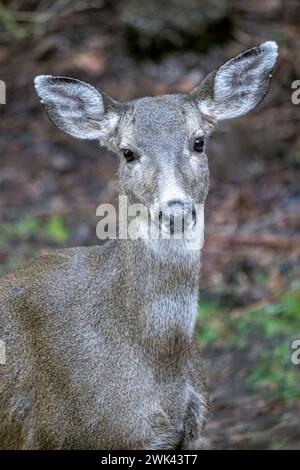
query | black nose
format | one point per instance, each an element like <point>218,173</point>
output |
<point>178,212</point>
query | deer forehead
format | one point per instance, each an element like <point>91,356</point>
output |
<point>162,123</point>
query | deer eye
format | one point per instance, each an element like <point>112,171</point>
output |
<point>199,144</point>
<point>128,155</point>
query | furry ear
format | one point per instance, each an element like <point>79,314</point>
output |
<point>77,108</point>
<point>239,85</point>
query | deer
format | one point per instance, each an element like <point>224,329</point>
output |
<point>100,341</point>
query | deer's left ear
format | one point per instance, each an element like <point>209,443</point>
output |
<point>239,85</point>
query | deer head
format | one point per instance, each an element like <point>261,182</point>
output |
<point>161,141</point>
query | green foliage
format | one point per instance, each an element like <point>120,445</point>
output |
<point>267,332</point>
<point>212,326</point>
<point>56,230</point>
<point>28,228</point>
<point>275,374</point>
<point>24,238</point>
<point>20,231</point>
<point>25,229</point>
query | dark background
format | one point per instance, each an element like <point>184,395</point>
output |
<point>51,184</point>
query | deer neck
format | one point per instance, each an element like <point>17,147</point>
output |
<point>161,291</point>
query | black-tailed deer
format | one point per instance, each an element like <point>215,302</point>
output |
<point>100,349</point>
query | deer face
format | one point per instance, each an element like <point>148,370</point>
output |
<point>162,145</point>
<point>162,141</point>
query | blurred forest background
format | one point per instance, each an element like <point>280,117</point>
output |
<point>51,184</point>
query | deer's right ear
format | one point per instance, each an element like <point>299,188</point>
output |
<point>77,108</point>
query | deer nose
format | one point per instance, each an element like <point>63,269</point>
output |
<point>178,215</point>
